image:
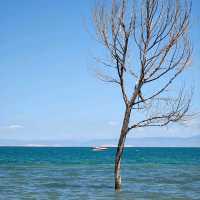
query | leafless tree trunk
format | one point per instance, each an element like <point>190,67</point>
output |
<point>148,48</point>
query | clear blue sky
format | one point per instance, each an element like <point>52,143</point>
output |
<point>47,90</point>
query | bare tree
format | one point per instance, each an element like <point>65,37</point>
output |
<point>148,48</point>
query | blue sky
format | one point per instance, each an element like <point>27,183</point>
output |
<point>47,88</point>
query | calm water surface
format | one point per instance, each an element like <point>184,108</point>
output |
<point>80,173</point>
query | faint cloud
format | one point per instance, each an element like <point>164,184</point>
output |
<point>112,123</point>
<point>194,124</point>
<point>15,126</point>
<point>12,127</point>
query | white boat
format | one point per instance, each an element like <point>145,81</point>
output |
<point>101,148</point>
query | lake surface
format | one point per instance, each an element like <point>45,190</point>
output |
<point>80,173</point>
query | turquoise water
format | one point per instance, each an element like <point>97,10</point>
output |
<point>80,173</point>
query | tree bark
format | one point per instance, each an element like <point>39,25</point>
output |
<point>120,149</point>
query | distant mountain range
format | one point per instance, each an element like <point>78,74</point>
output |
<point>133,142</point>
<point>155,142</point>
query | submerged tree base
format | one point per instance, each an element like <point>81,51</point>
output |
<point>118,184</point>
